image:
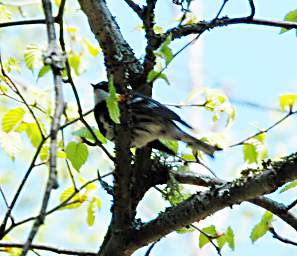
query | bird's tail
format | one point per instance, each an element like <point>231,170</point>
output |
<point>199,145</point>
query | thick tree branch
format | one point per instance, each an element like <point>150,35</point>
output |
<point>120,60</point>
<point>279,209</point>
<point>203,204</point>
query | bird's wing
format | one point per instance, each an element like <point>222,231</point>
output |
<point>146,105</point>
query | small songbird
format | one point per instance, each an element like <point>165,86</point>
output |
<point>150,121</point>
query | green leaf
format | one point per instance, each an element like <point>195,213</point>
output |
<point>91,213</point>
<point>287,101</point>
<point>250,153</point>
<point>77,153</point>
<point>157,29</point>
<point>292,184</point>
<point>94,51</point>
<point>189,157</point>
<point>165,50</point>
<point>203,239</point>
<point>261,228</point>
<point>33,133</point>
<point>85,133</point>
<point>44,70</point>
<point>12,118</point>
<point>171,144</point>
<point>32,55</point>
<point>153,75</point>
<point>76,201</point>
<point>291,16</point>
<point>221,241</point>
<point>230,237</point>
<point>75,61</point>
<point>112,103</point>
<point>185,230</point>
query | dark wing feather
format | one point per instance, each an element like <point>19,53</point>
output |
<point>147,105</point>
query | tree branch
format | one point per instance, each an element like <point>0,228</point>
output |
<point>197,28</point>
<point>206,203</point>
<point>21,23</point>
<point>19,190</point>
<point>135,7</point>
<point>119,58</point>
<point>280,238</point>
<point>56,60</point>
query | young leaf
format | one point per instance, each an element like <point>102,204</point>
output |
<point>33,133</point>
<point>292,184</point>
<point>84,132</point>
<point>75,202</point>
<point>203,239</point>
<point>77,153</point>
<point>153,74</point>
<point>221,241</point>
<point>45,69</point>
<point>94,51</point>
<point>291,16</point>
<point>12,118</point>
<point>165,50</point>
<point>230,237</point>
<point>171,144</point>
<point>112,103</point>
<point>75,61</point>
<point>32,55</point>
<point>250,153</point>
<point>261,228</point>
<point>91,212</point>
<point>287,100</point>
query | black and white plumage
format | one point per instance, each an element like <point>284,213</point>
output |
<point>151,121</point>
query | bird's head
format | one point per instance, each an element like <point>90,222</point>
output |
<point>101,91</point>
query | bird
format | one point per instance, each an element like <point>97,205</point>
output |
<point>150,122</point>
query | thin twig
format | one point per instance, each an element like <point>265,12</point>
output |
<point>253,105</point>
<point>221,9</point>
<point>264,131</point>
<point>34,105</point>
<point>210,238</point>
<point>135,7</point>
<point>73,87</point>
<point>149,250</point>
<point>57,207</point>
<point>280,238</point>
<point>20,188</point>
<point>48,248</point>
<point>175,54</point>
<point>291,205</point>
<point>56,60</point>
<point>253,9</point>
<point>22,22</point>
